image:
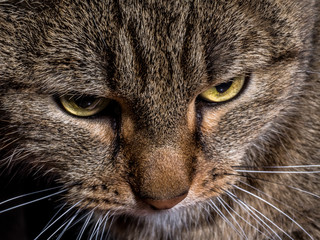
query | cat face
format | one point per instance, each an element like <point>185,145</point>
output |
<point>138,108</point>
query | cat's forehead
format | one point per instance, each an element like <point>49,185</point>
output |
<point>152,43</point>
<point>134,47</point>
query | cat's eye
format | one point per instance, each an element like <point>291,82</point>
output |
<point>84,106</point>
<point>225,91</point>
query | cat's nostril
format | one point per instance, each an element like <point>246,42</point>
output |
<point>165,203</point>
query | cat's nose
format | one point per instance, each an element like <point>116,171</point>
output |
<point>161,176</point>
<point>165,203</point>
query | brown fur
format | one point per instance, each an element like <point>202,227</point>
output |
<point>159,140</point>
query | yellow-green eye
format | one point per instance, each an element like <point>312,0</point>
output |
<point>84,106</point>
<point>225,91</point>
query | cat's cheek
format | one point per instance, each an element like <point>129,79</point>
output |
<point>210,181</point>
<point>102,197</point>
<point>210,120</point>
<point>101,131</point>
<point>214,139</point>
<point>98,129</point>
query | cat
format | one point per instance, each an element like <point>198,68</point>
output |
<point>159,119</point>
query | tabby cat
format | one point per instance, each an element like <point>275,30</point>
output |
<point>159,119</point>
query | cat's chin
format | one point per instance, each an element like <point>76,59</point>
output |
<point>151,212</point>
<point>148,221</point>
<point>146,211</point>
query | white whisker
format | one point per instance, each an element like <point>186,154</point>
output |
<point>95,229</point>
<point>258,190</point>
<point>234,219</point>
<point>297,166</point>
<point>54,216</point>
<point>105,220</point>
<point>15,154</point>
<point>277,172</point>
<point>109,228</point>
<point>226,204</point>
<point>284,167</point>
<point>215,207</point>
<point>260,221</point>
<point>304,191</point>
<point>313,72</point>
<point>85,225</point>
<point>68,225</point>
<point>49,226</point>
<point>79,220</point>
<point>36,200</point>
<point>271,205</point>
<point>269,220</point>
<point>276,200</point>
<point>288,186</point>
<point>28,194</point>
<point>54,233</point>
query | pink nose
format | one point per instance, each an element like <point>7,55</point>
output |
<point>165,203</point>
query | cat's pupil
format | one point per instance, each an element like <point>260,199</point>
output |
<point>85,102</point>
<point>223,87</point>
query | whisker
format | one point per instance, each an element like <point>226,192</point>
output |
<point>281,184</point>
<point>85,224</point>
<point>49,226</point>
<point>28,194</point>
<point>277,172</point>
<point>222,204</point>
<point>96,228</point>
<point>304,191</point>
<point>276,200</point>
<point>109,228</point>
<point>284,167</point>
<point>209,214</point>
<point>262,215</point>
<point>54,233</point>
<point>16,154</point>
<point>313,72</point>
<point>271,205</point>
<point>105,219</point>
<point>258,190</point>
<point>32,201</point>
<point>56,214</point>
<point>69,223</point>
<point>226,204</point>
<point>246,208</point>
<point>251,212</point>
<point>79,220</point>
<point>215,207</point>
